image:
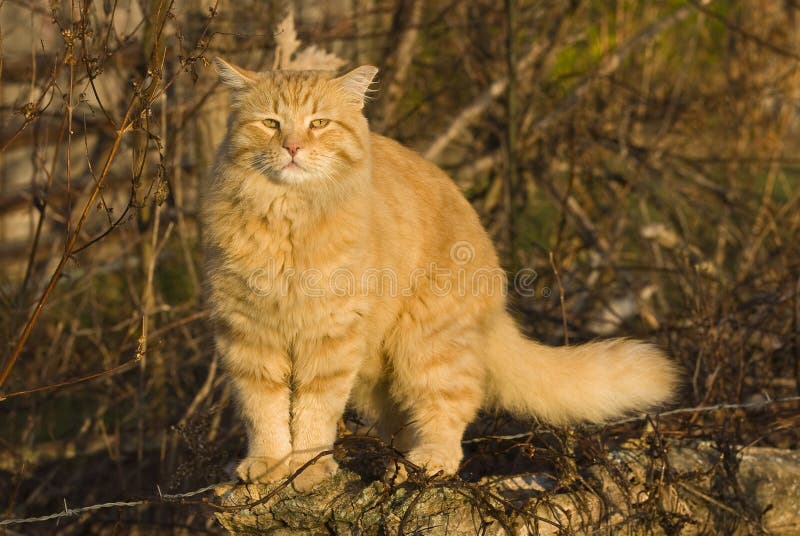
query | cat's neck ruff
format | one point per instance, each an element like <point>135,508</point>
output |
<point>305,203</point>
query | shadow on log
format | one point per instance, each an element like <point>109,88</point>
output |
<point>677,488</point>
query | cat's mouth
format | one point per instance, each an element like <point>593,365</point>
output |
<point>291,170</point>
<point>294,172</point>
<point>293,163</point>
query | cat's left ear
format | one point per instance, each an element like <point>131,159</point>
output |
<point>356,83</point>
<point>232,76</point>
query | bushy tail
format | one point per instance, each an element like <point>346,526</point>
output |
<point>592,382</point>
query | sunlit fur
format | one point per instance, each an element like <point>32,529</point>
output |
<point>416,361</point>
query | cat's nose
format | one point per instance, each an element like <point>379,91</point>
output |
<point>292,147</point>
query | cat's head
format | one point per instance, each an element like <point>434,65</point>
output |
<point>298,126</point>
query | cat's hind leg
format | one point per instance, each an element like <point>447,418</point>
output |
<point>371,398</point>
<point>439,382</point>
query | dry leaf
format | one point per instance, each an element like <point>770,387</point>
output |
<point>312,57</point>
<point>286,42</point>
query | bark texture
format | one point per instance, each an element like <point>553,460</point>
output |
<point>673,489</point>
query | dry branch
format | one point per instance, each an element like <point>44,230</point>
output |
<point>468,115</point>
<point>403,56</point>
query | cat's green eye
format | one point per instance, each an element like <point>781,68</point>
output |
<point>319,123</point>
<point>271,123</point>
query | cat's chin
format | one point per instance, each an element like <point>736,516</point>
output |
<point>293,175</point>
<point>299,175</point>
<point>289,175</point>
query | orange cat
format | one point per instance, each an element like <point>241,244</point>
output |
<point>344,268</point>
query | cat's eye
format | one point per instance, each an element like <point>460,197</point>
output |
<point>319,123</point>
<point>271,123</point>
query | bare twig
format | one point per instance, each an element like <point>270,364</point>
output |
<point>561,298</point>
<point>70,245</point>
<point>403,57</point>
<point>679,411</point>
<point>122,367</point>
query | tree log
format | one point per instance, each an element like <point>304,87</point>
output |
<point>675,488</point>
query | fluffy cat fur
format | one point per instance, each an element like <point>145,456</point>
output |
<point>305,205</point>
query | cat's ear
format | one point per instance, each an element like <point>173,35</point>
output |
<point>356,83</point>
<point>232,76</point>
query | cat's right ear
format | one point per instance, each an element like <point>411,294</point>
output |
<point>356,83</point>
<point>234,77</point>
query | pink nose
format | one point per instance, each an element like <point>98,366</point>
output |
<point>291,147</point>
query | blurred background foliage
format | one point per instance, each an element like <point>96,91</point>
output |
<point>645,151</point>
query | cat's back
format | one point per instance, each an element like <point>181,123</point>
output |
<point>420,201</point>
<point>400,171</point>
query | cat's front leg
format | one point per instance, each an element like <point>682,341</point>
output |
<point>324,372</point>
<point>260,375</point>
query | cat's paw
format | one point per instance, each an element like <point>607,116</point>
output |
<point>418,464</point>
<point>262,469</point>
<point>434,463</point>
<point>315,473</point>
<point>396,473</point>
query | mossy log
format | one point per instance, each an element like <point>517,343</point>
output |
<point>673,489</point>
